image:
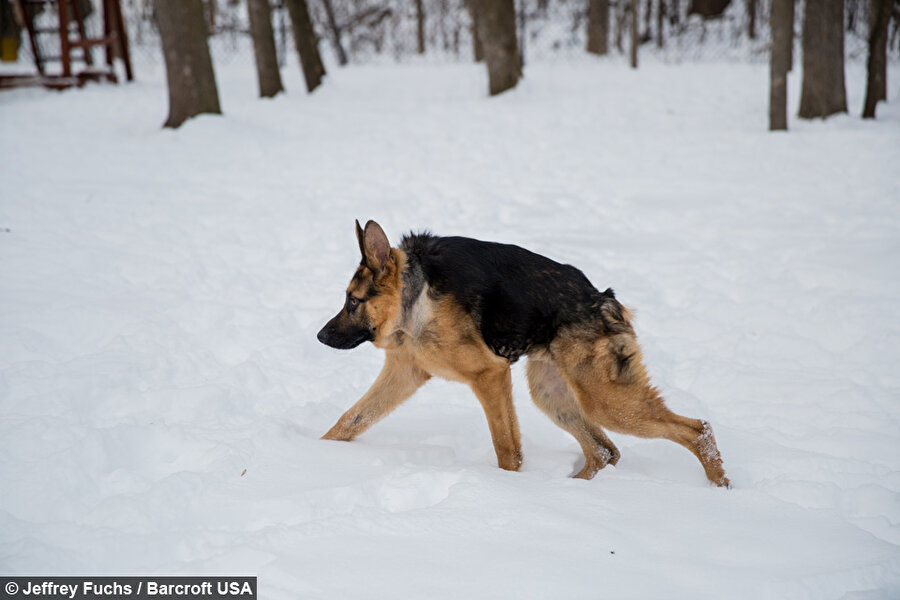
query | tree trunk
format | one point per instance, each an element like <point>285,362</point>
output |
<point>306,42</point>
<point>823,92</point>
<point>633,7</point>
<point>792,7</point>
<point>477,49</point>
<point>260,15</point>
<point>782,19</point>
<point>751,19</point>
<point>708,9</point>
<point>420,27</point>
<point>648,18</point>
<point>210,8</point>
<point>335,32</point>
<point>189,69</point>
<point>497,31</point>
<point>598,27</point>
<point>876,66</point>
<point>441,37</point>
<point>621,18</point>
<point>660,24</point>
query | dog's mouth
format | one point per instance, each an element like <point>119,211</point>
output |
<point>344,339</point>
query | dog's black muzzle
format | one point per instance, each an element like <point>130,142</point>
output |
<point>344,337</point>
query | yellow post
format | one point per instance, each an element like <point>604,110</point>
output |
<point>9,49</point>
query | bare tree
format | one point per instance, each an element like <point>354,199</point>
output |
<point>420,26</point>
<point>260,15</point>
<point>876,84</point>
<point>751,19</point>
<point>708,9</point>
<point>823,90</point>
<point>782,19</point>
<point>660,23</point>
<point>306,42</point>
<point>648,18</point>
<point>189,69</point>
<point>598,27</point>
<point>497,31</point>
<point>790,48</point>
<point>635,42</point>
<point>477,50</point>
<point>621,20</point>
<point>335,32</point>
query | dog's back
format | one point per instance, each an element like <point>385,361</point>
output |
<point>519,300</point>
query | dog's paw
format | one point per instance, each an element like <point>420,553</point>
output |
<point>336,434</point>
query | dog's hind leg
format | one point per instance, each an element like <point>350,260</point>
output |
<point>398,380</point>
<point>552,395</point>
<point>494,390</point>
<point>612,388</point>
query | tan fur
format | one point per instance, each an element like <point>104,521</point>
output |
<point>398,380</point>
<point>447,345</point>
<point>552,395</point>
<point>584,382</point>
<point>627,402</point>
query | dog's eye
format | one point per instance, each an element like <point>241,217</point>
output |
<point>352,303</point>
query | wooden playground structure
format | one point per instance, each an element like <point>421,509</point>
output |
<point>70,36</point>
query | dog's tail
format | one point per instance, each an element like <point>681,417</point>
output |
<point>626,366</point>
<point>615,317</point>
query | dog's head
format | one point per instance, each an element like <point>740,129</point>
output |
<point>372,303</point>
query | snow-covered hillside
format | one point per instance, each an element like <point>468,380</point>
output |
<point>162,390</point>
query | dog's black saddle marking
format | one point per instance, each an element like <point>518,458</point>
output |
<point>519,300</point>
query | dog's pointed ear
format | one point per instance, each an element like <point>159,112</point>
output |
<point>360,237</point>
<point>376,248</point>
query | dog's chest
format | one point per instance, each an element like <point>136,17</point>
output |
<point>417,316</point>
<point>446,343</point>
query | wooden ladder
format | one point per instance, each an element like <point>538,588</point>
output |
<point>115,38</point>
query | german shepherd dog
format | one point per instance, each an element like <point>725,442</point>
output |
<point>465,310</point>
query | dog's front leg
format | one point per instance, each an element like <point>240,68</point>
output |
<point>398,380</point>
<point>494,391</point>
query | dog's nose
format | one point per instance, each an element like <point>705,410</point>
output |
<point>323,335</point>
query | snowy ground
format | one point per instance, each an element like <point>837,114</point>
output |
<point>161,292</point>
